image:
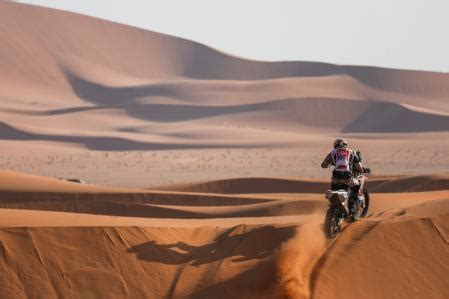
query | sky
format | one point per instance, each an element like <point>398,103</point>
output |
<point>408,34</point>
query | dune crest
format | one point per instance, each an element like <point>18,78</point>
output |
<point>291,185</point>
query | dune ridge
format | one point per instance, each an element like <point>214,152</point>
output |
<point>291,185</point>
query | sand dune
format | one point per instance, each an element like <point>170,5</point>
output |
<point>66,252</point>
<point>111,67</point>
<point>85,86</point>
<point>236,146</point>
<point>181,57</point>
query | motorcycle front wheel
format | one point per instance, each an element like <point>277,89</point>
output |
<point>367,201</point>
<point>332,223</point>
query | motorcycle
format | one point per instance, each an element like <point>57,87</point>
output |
<point>341,205</point>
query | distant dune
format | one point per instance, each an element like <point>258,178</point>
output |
<point>86,86</point>
<point>77,65</point>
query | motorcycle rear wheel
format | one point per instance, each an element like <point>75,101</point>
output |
<point>332,222</point>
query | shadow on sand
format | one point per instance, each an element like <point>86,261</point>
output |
<point>258,243</point>
<point>106,143</point>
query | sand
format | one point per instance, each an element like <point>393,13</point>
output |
<point>62,239</point>
<point>202,169</point>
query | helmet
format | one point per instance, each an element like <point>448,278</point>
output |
<point>339,142</point>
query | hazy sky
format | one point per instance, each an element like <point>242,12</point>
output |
<point>412,34</point>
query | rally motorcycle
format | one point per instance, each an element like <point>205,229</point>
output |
<point>346,203</point>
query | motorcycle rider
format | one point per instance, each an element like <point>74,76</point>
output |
<point>346,162</point>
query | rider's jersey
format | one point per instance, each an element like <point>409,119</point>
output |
<point>342,159</point>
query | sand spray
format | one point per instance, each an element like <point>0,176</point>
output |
<point>297,258</point>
